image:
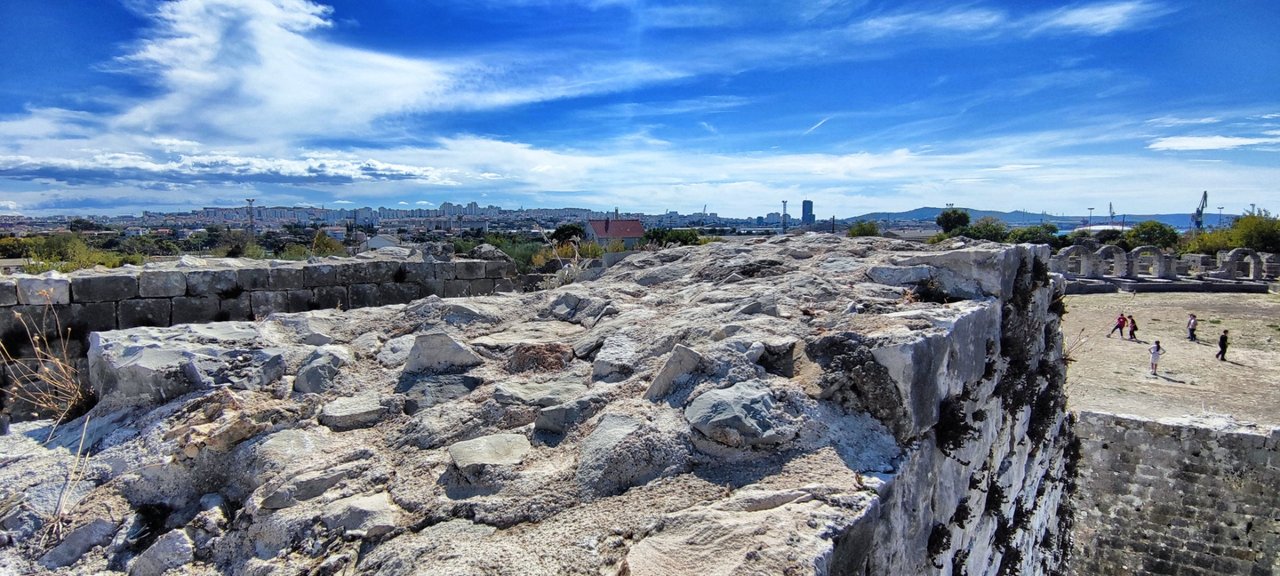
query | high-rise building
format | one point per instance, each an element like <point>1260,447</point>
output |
<point>806,213</point>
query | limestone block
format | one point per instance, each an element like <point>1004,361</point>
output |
<point>363,295</point>
<point>329,297</point>
<point>498,269</point>
<point>309,485</point>
<point>615,360</point>
<point>482,286</point>
<point>433,288</point>
<point>504,285</point>
<point>104,288</point>
<point>320,274</point>
<point>544,394</point>
<point>195,309</point>
<point>683,360</point>
<point>470,269</point>
<point>169,552</point>
<point>438,352</point>
<point>254,278</point>
<point>319,370</point>
<point>457,288</point>
<point>299,300</point>
<point>472,456</point>
<point>398,293</point>
<point>143,312</point>
<point>285,278</point>
<point>161,283</point>
<point>8,293</point>
<point>235,309</point>
<point>47,288</point>
<point>267,302</point>
<point>76,543</point>
<point>222,283</point>
<point>371,516</point>
<point>741,415</point>
<point>361,411</point>
<point>445,270</point>
<point>428,391</point>
<point>560,418</point>
<point>91,317</point>
<point>418,272</point>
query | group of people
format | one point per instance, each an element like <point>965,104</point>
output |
<point>1123,322</point>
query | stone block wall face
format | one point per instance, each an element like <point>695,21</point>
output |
<point>983,488</point>
<point>87,302</point>
<point>1186,500</point>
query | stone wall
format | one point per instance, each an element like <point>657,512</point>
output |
<point>1188,497</point>
<point>64,309</point>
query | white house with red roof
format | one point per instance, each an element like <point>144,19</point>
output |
<point>630,232</point>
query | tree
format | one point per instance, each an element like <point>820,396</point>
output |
<point>1152,233</point>
<point>863,228</point>
<point>1038,234</point>
<point>987,228</point>
<point>952,219</point>
<point>567,233</point>
<point>323,245</point>
<point>1257,231</point>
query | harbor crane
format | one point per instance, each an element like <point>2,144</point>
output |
<point>1197,219</point>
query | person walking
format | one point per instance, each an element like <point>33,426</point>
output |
<point>1120,322</point>
<point>1156,353</point>
<point>1222,346</point>
<point>1191,327</point>
<point>1133,328</point>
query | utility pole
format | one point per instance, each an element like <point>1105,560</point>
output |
<point>1219,216</point>
<point>250,201</point>
<point>1089,222</point>
<point>784,217</point>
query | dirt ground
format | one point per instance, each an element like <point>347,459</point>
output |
<point>1113,374</point>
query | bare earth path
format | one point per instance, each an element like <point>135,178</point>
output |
<point>1113,374</point>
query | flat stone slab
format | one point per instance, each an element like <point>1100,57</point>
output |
<point>542,332</point>
<point>495,450</point>
<point>538,393</point>
<point>439,352</point>
<point>354,412</point>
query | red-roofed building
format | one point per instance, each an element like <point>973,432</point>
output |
<point>630,232</point>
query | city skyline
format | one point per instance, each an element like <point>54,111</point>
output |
<point>124,106</point>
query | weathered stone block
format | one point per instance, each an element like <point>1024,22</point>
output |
<point>504,285</point>
<point>496,269</point>
<point>223,283</point>
<point>328,297</point>
<point>8,293</point>
<point>445,270</point>
<point>418,272</point>
<point>300,300</point>
<point>470,269</point>
<point>161,283</point>
<point>363,295</point>
<point>320,274</point>
<point>398,293</point>
<point>91,317</point>
<point>235,309</point>
<point>268,302</point>
<point>42,290</point>
<point>254,278</point>
<point>482,286</point>
<point>195,309</point>
<point>104,288</point>
<point>285,278</point>
<point>143,312</point>
<point>457,288</point>
<point>350,272</point>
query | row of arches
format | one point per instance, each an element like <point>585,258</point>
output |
<point>1111,260</point>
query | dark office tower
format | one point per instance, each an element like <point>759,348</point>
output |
<point>806,213</point>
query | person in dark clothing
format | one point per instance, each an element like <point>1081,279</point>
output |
<point>1222,346</point>
<point>1133,328</point>
<point>1120,322</point>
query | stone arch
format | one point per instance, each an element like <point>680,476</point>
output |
<point>1118,261</point>
<point>1076,260</point>
<point>1238,256</point>
<point>1153,261</point>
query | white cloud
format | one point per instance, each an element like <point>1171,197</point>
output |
<point>425,203</point>
<point>1173,121</point>
<point>343,202</point>
<point>816,126</point>
<point>1097,19</point>
<point>1207,142</point>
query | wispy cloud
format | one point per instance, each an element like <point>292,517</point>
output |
<point>1097,19</point>
<point>816,126</point>
<point>1172,121</point>
<point>1180,143</point>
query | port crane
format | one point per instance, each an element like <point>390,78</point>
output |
<point>1197,219</point>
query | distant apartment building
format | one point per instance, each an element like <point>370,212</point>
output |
<point>806,213</point>
<point>630,232</point>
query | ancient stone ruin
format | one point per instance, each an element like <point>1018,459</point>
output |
<point>1147,268</point>
<point>795,405</point>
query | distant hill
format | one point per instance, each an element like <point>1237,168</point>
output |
<point>1019,217</point>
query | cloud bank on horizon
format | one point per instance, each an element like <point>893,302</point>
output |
<point>860,106</point>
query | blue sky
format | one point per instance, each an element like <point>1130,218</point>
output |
<point>119,106</point>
